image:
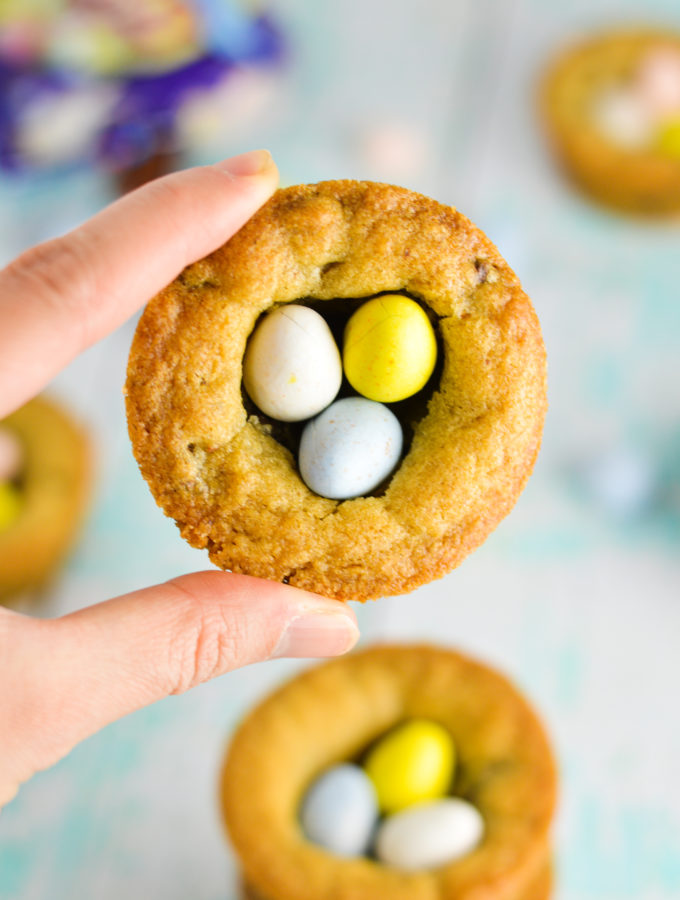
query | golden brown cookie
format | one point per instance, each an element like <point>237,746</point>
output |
<point>223,472</point>
<point>332,713</point>
<point>539,887</point>
<point>53,487</point>
<point>640,179</point>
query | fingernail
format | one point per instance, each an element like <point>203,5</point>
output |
<point>318,634</point>
<point>255,162</point>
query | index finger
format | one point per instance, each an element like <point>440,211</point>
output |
<point>60,297</point>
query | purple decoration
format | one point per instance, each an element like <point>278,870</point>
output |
<point>143,120</point>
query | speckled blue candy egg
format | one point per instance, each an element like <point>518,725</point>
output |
<point>349,448</point>
<point>340,811</point>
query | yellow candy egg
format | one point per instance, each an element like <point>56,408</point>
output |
<point>669,139</point>
<point>389,348</point>
<point>10,505</point>
<point>411,764</point>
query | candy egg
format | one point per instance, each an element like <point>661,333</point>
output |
<point>86,46</point>
<point>394,149</point>
<point>622,117</point>
<point>389,348</point>
<point>10,455</point>
<point>623,480</point>
<point>58,128</point>
<point>429,835</point>
<point>349,448</point>
<point>10,505</point>
<point>411,764</point>
<point>292,367</point>
<point>340,811</point>
<point>658,81</point>
<point>669,139</point>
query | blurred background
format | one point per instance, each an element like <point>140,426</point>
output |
<point>576,596</point>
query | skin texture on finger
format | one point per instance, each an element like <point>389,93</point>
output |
<point>64,679</point>
<point>60,297</point>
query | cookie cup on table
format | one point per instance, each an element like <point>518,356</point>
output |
<point>219,470</point>
<point>331,714</point>
<point>640,181</point>
<point>54,489</point>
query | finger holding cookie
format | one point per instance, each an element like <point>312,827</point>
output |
<point>65,678</point>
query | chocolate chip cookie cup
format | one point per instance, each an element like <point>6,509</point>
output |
<point>335,713</point>
<point>611,108</point>
<point>44,486</point>
<point>228,474</point>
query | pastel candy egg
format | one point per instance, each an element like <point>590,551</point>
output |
<point>87,46</point>
<point>622,117</point>
<point>10,455</point>
<point>658,81</point>
<point>349,448</point>
<point>10,505</point>
<point>166,38</point>
<point>411,764</point>
<point>340,811</point>
<point>389,348</point>
<point>395,149</point>
<point>622,480</point>
<point>429,835</point>
<point>57,128</point>
<point>292,367</point>
<point>669,139</point>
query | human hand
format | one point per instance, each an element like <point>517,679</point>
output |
<point>63,679</point>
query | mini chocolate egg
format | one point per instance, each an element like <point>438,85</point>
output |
<point>349,448</point>
<point>429,835</point>
<point>658,81</point>
<point>389,348</point>
<point>340,811</point>
<point>292,367</point>
<point>10,455</point>
<point>622,117</point>
<point>395,150</point>
<point>623,480</point>
<point>411,764</point>
<point>668,141</point>
<point>10,505</point>
<point>60,127</point>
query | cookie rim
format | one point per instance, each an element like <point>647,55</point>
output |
<point>32,548</point>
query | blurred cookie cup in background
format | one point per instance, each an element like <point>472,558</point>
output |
<point>611,109</point>
<point>400,772</point>
<point>45,473</point>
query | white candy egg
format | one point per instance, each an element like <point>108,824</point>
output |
<point>429,834</point>
<point>59,128</point>
<point>340,811</point>
<point>350,448</point>
<point>292,367</point>
<point>623,118</point>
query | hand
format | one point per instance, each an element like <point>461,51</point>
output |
<point>63,679</point>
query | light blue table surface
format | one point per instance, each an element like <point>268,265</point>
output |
<point>578,605</point>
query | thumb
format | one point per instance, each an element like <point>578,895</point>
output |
<point>66,678</point>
